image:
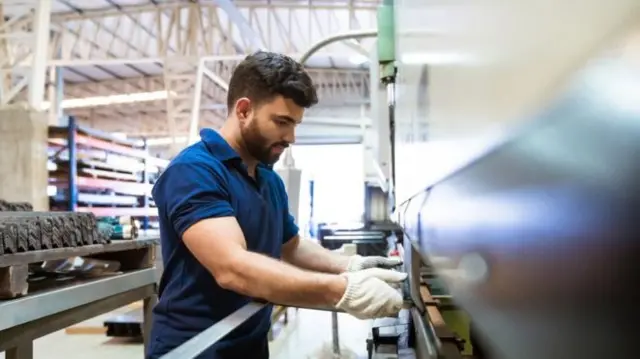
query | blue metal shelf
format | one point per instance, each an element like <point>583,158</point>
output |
<point>105,189</point>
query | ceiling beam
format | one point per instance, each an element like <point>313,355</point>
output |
<point>251,39</point>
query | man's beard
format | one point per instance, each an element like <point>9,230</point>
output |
<point>257,145</point>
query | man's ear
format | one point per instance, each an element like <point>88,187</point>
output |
<point>243,109</point>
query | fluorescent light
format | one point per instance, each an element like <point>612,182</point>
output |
<point>165,141</point>
<point>111,100</point>
<point>114,99</point>
<point>420,58</point>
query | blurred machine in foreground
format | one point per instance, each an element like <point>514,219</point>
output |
<point>516,164</point>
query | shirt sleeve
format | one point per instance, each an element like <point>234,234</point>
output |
<point>290,227</point>
<point>191,192</point>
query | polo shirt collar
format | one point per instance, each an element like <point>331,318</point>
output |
<point>220,148</point>
<point>217,145</point>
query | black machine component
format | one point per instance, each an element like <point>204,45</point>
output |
<point>15,207</point>
<point>370,240</point>
<point>540,231</point>
<point>387,336</point>
<point>128,325</point>
<point>29,231</point>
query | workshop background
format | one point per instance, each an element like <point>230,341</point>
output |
<point>97,95</point>
<point>492,145</point>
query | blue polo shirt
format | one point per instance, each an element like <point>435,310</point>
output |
<point>208,180</point>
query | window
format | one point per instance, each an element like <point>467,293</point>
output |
<point>338,175</point>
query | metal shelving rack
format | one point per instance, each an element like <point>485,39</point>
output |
<point>99,173</point>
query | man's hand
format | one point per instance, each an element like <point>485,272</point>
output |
<point>357,262</point>
<point>370,293</point>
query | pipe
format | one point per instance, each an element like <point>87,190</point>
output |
<point>72,191</point>
<point>349,35</point>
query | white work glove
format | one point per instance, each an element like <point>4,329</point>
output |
<point>371,294</point>
<point>357,262</point>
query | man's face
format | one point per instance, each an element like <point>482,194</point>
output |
<point>271,128</point>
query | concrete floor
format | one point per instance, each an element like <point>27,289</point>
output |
<point>307,336</point>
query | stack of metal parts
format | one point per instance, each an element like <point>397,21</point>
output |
<point>15,207</point>
<point>51,273</point>
<point>77,266</point>
<point>32,231</point>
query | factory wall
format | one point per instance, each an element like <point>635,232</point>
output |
<point>23,157</point>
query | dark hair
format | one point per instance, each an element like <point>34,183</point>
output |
<point>264,75</point>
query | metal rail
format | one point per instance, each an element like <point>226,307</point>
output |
<point>196,345</point>
<point>40,305</point>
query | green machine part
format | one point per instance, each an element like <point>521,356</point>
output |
<point>456,319</point>
<point>387,62</point>
<point>386,40</point>
<point>118,227</point>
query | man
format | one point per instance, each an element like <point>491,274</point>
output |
<point>226,232</point>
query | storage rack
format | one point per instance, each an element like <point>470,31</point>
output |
<point>96,172</point>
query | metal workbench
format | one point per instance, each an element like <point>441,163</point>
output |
<point>38,314</point>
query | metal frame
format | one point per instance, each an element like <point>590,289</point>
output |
<point>433,339</point>
<point>32,317</point>
<point>24,45</point>
<point>126,47</point>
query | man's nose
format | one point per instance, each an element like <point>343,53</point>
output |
<point>290,136</point>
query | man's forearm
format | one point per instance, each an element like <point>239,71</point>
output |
<point>259,276</point>
<point>309,255</point>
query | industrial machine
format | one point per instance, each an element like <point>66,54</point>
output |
<point>513,136</point>
<point>516,157</point>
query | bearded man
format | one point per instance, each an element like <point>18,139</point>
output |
<point>226,233</point>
